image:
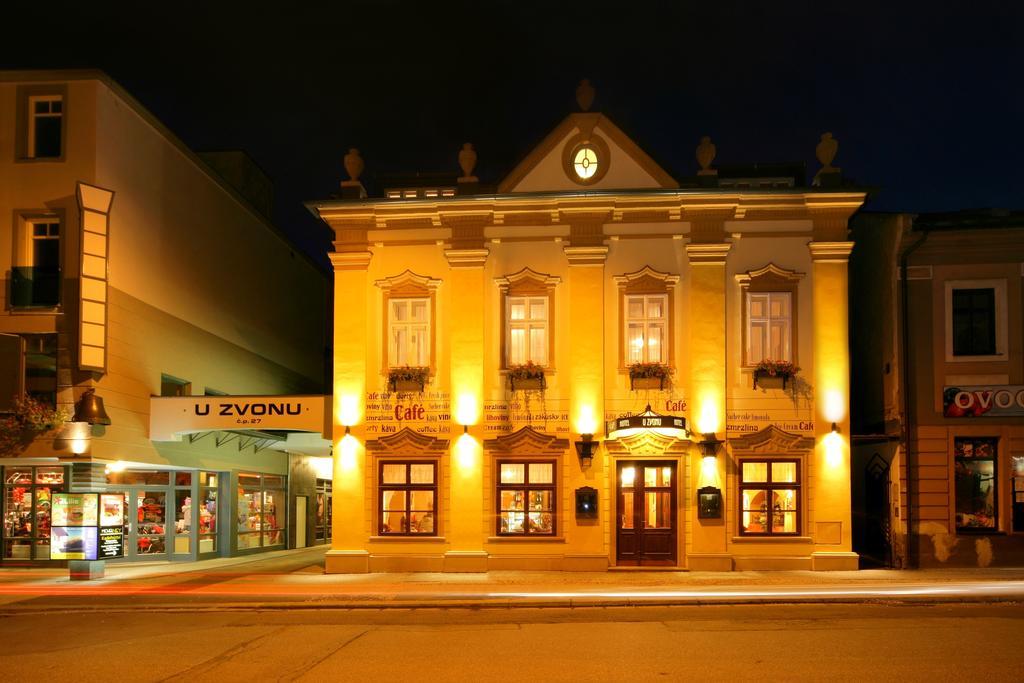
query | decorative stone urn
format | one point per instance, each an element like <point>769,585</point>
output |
<point>705,155</point>
<point>353,164</point>
<point>826,152</point>
<point>467,160</point>
<point>585,95</point>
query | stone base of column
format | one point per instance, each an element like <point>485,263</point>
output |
<point>835,561</point>
<point>465,561</point>
<point>347,562</point>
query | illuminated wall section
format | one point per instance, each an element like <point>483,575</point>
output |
<point>466,336</point>
<point>94,204</point>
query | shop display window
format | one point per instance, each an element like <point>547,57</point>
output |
<point>139,478</point>
<point>208,520</point>
<point>182,478</point>
<point>152,522</point>
<point>27,497</point>
<point>182,521</point>
<point>261,506</point>
<point>407,501</point>
<point>975,467</point>
<point>526,498</point>
<point>769,497</point>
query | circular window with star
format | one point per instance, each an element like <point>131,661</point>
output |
<point>586,159</point>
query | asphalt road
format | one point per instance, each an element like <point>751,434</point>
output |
<point>953,642</point>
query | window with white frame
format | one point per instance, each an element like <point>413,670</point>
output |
<point>769,326</point>
<point>976,320</point>
<point>527,329</point>
<point>646,328</point>
<point>45,126</point>
<point>409,332</point>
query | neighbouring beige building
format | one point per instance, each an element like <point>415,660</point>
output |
<point>591,364</point>
<point>939,355</point>
<point>134,269</point>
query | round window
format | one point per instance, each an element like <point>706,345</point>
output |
<point>584,162</point>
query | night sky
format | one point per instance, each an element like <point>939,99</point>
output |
<point>926,102</point>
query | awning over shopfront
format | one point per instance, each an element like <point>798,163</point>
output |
<point>666,425</point>
<point>292,423</point>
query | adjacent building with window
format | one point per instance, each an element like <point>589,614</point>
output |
<point>938,339</point>
<point>592,364</point>
<point>134,269</point>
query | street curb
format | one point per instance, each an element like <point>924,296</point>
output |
<point>460,603</point>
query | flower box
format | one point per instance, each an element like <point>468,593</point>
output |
<point>526,377</point>
<point>408,379</point>
<point>774,372</point>
<point>649,376</point>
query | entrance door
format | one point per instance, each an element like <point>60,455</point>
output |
<point>646,519</point>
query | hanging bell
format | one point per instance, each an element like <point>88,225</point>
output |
<point>90,409</point>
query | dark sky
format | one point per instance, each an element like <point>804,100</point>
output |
<point>927,101</point>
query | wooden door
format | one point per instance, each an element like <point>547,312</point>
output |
<point>646,520</point>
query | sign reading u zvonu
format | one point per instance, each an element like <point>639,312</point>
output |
<point>994,400</point>
<point>172,416</point>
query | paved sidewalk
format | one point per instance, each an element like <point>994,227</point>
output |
<point>294,579</point>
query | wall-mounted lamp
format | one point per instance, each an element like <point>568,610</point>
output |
<point>585,448</point>
<point>835,429</point>
<point>348,430</point>
<point>709,445</point>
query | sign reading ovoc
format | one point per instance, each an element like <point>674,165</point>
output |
<point>170,417</point>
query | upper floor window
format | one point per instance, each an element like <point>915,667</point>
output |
<point>35,273</point>
<point>528,299</point>
<point>645,316</point>
<point>527,330</point>
<point>646,328</point>
<point>409,311</point>
<point>45,126</point>
<point>409,332</point>
<point>172,386</point>
<point>976,320</point>
<point>769,314</point>
<point>769,326</point>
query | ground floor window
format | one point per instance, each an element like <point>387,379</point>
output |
<point>526,498</point>
<point>27,495</point>
<point>407,500</point>
<point>974,462</point>
<point>1018,493</point>
<point>261,505</point>
<point>769,497</point>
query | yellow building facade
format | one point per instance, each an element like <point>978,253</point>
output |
<point>574,370</point>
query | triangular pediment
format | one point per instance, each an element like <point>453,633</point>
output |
<point>407,442</point>
<point>622,164</point>
<point>771,439</point>
<point>646,442</point>
<point>527,441</point>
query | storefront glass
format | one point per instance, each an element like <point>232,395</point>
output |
<point>152,522</point>
<point>27,494</point>
<point>975,466</point>
<point>261,505</point>
<point>208,512</point>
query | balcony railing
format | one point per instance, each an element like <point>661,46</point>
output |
<point>35,287</point>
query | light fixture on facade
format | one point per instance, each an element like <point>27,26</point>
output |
<point>666,425</point>
<point>709,445</point>
<point>585,448</point>
<point>90,409</point>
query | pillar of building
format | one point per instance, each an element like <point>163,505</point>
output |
<point>464,531</point>
<point>586,283</point>
<point>706,328</point>
<point>831,517</point>
<point>350,528</point>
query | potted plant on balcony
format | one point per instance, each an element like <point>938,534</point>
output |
<point>649,376</point>
<point>526,376</point>
<point>772,369</point>
<point>408,378</point>
<point>29,419</point>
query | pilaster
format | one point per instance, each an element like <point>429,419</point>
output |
<point>466,346</point>
<point>832,520</point>
<point>707,344</point>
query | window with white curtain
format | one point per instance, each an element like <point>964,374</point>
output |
<point>409,332</point>
<point>527,329</point>
<point>769,326</point>
<point>646,328</point>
